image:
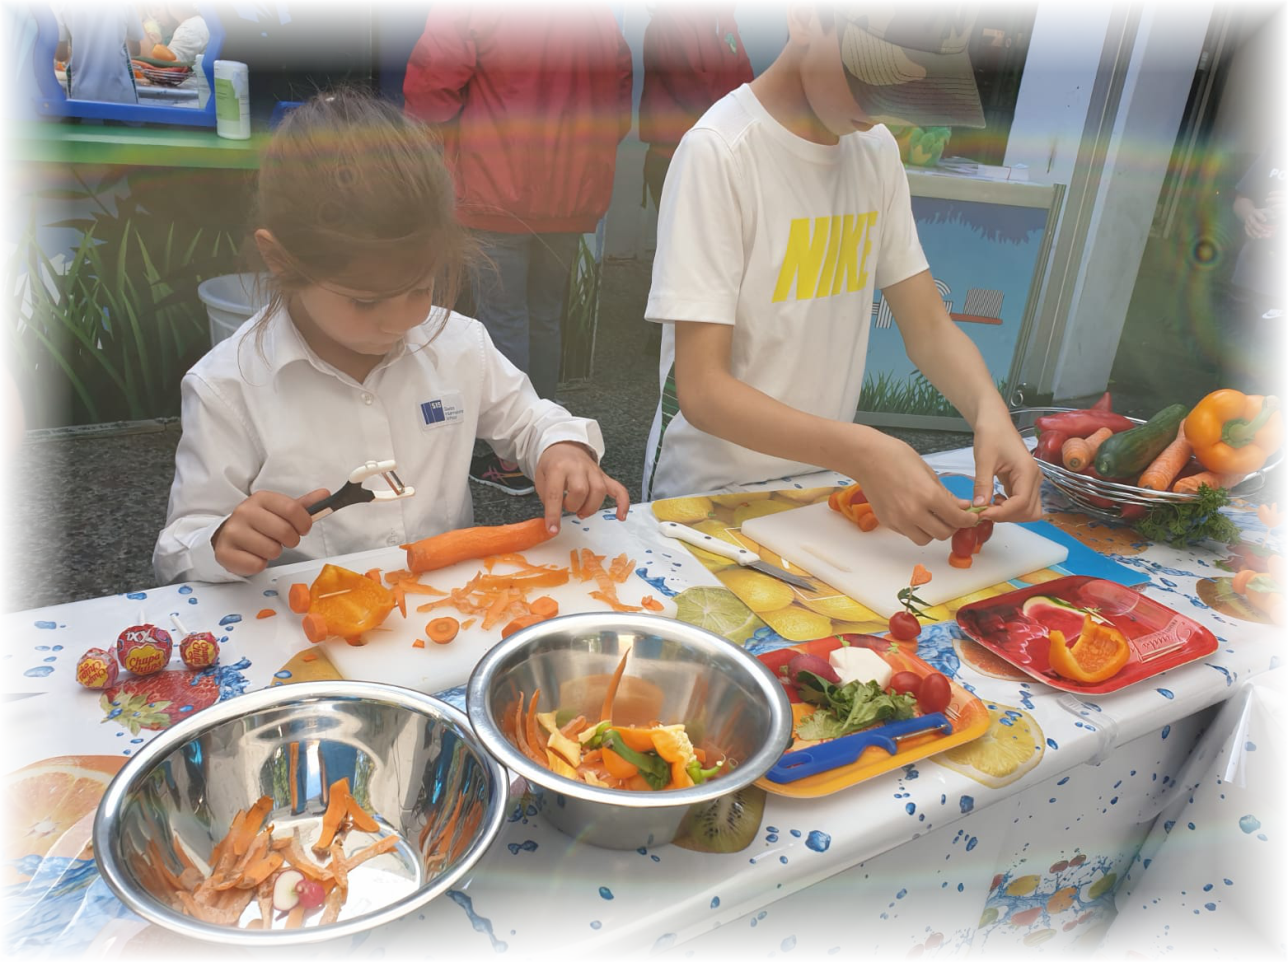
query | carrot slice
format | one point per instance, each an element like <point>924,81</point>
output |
<point>523,621</point>
<point>960,561</point>
<point>868,521</point>
<point>315,627</point>
<point>534,732</point>
<point>606,713</point>
<point>545,607</point>
<point>442,630</point>
<point>1241,580</point>
<point>299,598</point>
<point>418,643</point>
<point>265,613</point>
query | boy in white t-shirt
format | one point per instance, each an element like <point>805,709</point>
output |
<point>784,207</point>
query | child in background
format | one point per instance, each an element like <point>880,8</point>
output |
<point>357,357</point>
<point>784,207</point>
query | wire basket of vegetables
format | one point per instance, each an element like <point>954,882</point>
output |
<point>1149,474</point>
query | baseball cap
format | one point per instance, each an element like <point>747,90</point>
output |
<point>909,66</point>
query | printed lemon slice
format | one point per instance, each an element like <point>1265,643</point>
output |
<point>797,624</point>
<point>49,805</point>
<point>683,510</point>
<point>839,608</point>
<point>718,610</point>
<point>758,591</point>
<point>806,495</point>
<point>1011,746</point>
<point>739,498</point>
<point>758,509</point>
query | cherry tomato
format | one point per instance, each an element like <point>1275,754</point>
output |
<point>983,531</point>
<point>935,693</point>
<point>964,542</point>
<point>904,626</point>
<point>905,683</point>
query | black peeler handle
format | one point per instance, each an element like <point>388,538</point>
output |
<point>349,494</point>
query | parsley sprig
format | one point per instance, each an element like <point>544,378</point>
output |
<point>1189,522</point>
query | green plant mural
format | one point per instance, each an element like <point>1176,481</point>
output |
<point>581,308</point>
<point>107,332</point>
<point>909,395</point>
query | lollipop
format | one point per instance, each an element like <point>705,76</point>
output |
<point>97,669</point>
<point>198,649</point>
<point>144,649</point>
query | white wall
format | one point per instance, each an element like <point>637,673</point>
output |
<point>630,229</point>
<point>1157,85</point>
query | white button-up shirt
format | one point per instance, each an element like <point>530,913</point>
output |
<point>261,411</point>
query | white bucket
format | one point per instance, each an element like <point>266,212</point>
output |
<point>231,300</point>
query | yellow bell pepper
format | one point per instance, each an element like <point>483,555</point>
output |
<point>1234,433</point>
<point>1099,653</point>
<point>349,602</point>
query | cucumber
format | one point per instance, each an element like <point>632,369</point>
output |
<point>1128,453</point>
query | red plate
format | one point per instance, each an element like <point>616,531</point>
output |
<point>1016,628</point>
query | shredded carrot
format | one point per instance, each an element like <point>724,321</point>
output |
<point>265,613</point>
<point>606,713</point>
<point>418,643</point>
<point>612,601</point>
<point>575,566</point>
<point>416,588</point>
<point>536,737</point>
<point>337,807</point>
<point>543,579</point>
<point>468,623</point>
<point>386,844</point>
<point>402,574</point>
<point>400,599</point>
<point>373,574</point>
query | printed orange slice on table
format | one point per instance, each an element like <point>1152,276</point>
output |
<point>1012,745</point>
<point>50,805</point>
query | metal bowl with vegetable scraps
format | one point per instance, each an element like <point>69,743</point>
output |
<point>1111,500</point>
<point>624,723</point>
<point>299,813</point>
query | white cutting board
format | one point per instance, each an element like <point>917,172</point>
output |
<point>873,566</point>
<point>389,656</point>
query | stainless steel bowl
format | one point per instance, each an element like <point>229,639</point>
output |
<point>676,673</point>
<point>411,761</point>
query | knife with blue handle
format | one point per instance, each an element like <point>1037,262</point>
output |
<point>845,750</point>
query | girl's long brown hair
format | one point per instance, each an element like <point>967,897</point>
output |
<point>349,179</point>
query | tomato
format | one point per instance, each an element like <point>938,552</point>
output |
<point>904,626</point>
<point>983,531</point>
<point>935,693</point>
<point>905,683</point>
<point>964,541</point>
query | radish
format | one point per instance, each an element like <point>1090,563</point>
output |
<point>813,664</point>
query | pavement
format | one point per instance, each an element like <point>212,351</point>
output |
<point>87,503</point>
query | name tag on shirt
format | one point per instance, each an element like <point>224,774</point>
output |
<point>440,411</point>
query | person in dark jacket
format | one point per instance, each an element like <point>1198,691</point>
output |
<point>693,56</point>
<point>532,101</point>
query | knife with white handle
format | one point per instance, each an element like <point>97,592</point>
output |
<point>725,549</point>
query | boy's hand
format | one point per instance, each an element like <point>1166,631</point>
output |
<point>906,494</point>
<point>260,527</point>
<point>1000,453</point>
<point>567,477</point>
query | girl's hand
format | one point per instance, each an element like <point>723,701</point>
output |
<point>260,527</point>
<point>567,478</point>
<point>1000,452</point>
<point>906,495</point>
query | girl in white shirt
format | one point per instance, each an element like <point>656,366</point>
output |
<point>351,362</point>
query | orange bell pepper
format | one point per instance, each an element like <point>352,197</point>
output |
<point>1099,653</point>
<point>351,603</point>
<point>1234,433</point>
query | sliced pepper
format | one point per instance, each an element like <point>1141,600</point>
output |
<point>350,603</point>
<point>654,769</point>
<point>1234,433</point>
<point>1099,653</point>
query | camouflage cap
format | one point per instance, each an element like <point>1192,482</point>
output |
<point>908,65</point>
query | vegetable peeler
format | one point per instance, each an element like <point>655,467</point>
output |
<point>354,493</point>
<point>847,749</point>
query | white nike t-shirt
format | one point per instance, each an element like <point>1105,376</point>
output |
<point>787,241</point>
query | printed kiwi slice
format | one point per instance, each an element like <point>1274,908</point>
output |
<point>725,824</point>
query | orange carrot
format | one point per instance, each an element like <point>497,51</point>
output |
<point>606,713</point>
<point>418,643</point>
<point>468,623</point>
<point>518,624</point>
<point>315,627</point>
<point>362,821</point>
<point>337,807</point>
<point>465,544</point>
<point>1163,470</point>
<point>920,576</point>
<point>265,613</point>
<point>416,588</point>
<point>1078,452</point>
<point>402,574</point>
<point>868,521</point>
<point>299,598</point>
<point>546,579</point>
<point>576,564</point>
<point>400,599</point>
<point>373,574</point>
<point>960,561</point>
<point>1241,580</point>
<point>535,736</point>
<point>386,844</point>
<point>442,630</point>
<point>1191,484</point>
<point>545,607</point>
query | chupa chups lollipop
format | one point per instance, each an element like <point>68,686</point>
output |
<point>144,649</point>
<point>198,649</point>
<point>97,668</point>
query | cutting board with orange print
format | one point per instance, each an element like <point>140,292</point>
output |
<point>967,713</point>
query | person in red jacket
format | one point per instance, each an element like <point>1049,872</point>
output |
<point>693,56</point>
<point>532,100</point>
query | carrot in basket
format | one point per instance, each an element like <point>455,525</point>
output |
<point>442,630</point>
<point>1191,484</point>
<point>466,544</point>
<point>1076,453</point>
<point>1163,470</point>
